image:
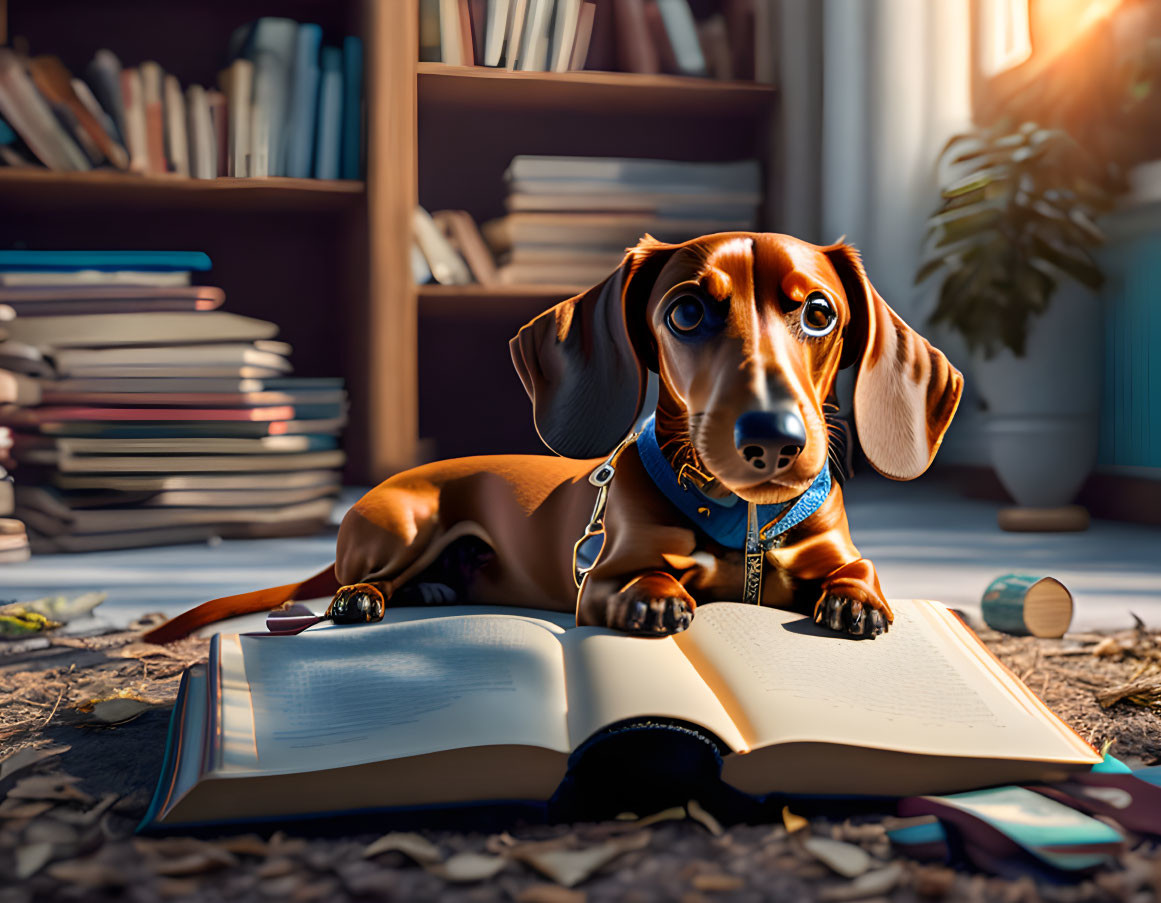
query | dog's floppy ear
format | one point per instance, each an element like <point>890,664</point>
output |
<point>582,363</point>
<point>906,391</point>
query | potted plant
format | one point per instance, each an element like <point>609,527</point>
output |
<point>1013,238</point>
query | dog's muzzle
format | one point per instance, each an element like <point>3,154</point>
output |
<point>769,441</point>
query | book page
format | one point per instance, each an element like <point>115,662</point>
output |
<point>612,677</point>
<point>918,688</point>
<point>368,693</point>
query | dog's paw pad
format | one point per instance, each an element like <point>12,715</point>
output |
<point>850,616</point>
<point>357,604</point>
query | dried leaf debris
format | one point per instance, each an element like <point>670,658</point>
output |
<point>64,835</point>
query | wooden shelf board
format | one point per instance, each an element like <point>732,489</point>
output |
<point>606,93</point>
<point>484,293</point>
<point>44,188</point>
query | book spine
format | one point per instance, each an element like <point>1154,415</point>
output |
<point>303,102</point>
<point>152,78</point>
<point>584,35</point>
<point>635,49</point>
<point>220,118</point>
<point>495,31</point>
<point>31,118</point>
<point>176,134</point>
<point>239,84</point>
<point>352,140</point>
<point>135,129</point>
<point>328,137</point>
<point>104,76</point>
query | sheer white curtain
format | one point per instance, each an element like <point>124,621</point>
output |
<point>871,90</point>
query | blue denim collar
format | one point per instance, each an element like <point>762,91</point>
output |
<point>724,520</point>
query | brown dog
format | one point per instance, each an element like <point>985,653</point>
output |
<point>746,332</point>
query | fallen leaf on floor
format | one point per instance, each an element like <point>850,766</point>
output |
<point>119,711</point>
<point>698,813</point>
<point>49,787</point>
<point>144,650</point>
<point>60,608</point>
<point>467,867</point>
<point>570,867</point>
<point>243,845</point>
<point>87,873</point>
<point>793,822</point>
<point>281,887</point>
<point>717,881</point>
<point>207,860</point>
<point>47,830</point>
<point>31,858</point>
<point>550,893</point>
<point>177,887</point>
<point>500,843</point>
<point>16,621</point>
<point>20,809</point>
<point>27,757</point>
<point>415,846</point>
<point>870,884</point>
<point>276,868</point>
<point>89,816</point>
<point>934,881</point>
<point>844,858</point>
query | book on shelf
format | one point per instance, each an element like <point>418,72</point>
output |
<point>268,119</point>
<point>170,385</point>
<point>329,134</point>
<point>460,230</point>
<point>570,218</point>
<point>512,706</point>
<point>177,136</point>
<point>719,40</point>
<point>446,265</point>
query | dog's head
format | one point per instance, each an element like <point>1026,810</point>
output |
<point>747,332</point>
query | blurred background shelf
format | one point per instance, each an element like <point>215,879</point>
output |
<point>47,189</point>
<point>607,93</point>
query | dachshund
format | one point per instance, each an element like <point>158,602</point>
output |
<point>724,494</point>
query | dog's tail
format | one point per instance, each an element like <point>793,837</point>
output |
<point>324,583</point>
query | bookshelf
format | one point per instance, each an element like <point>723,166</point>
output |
<point>329,261</point>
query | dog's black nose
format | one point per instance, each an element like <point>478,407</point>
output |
<point>769,441</point>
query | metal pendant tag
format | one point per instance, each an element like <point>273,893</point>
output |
<point>755,554</point>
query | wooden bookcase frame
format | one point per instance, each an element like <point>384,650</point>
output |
<point>366,270</point>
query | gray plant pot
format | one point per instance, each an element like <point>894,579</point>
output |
<point>1043,409</point>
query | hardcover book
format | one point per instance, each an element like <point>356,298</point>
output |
<point>470,706</point>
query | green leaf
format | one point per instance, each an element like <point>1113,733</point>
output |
<point>977,180</point>
<point>1077,265</point>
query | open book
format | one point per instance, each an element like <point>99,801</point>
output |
<point>459,705</point>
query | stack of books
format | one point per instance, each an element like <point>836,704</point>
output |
<point>571,218</point>
<point>284,106</point>
<point>13,536</point>
<point>142,414</point>
<point>730,39</point>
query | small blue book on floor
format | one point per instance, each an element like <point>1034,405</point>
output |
<point>463,705</point>
<point>103,260</point>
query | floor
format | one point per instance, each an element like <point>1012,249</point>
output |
<point>926,540</point>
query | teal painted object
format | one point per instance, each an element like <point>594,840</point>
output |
<point>1131,402</point>
<point>1013,604</point>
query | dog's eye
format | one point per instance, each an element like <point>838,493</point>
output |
<point>818,316</point>
<point>686,314</point>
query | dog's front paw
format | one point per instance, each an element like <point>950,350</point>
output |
<point>650,607</point>
<point>358,603</point>
<point>853,616</point>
